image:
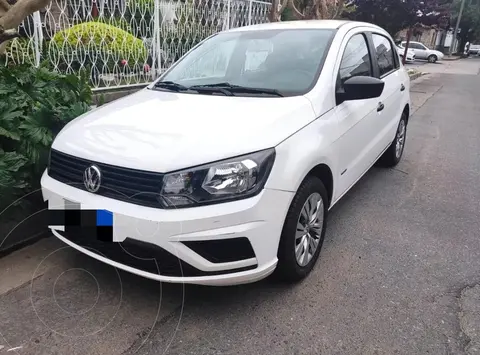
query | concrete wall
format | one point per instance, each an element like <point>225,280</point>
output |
<point>100,98</point>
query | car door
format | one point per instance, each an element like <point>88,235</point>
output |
<point>419,50</point>
<point>424,51</point>
<point>411,48</point>
<point>356,119</point>
<point>387,68</point>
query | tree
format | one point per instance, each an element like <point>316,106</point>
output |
<point>11,16</point>
<point>469,23</point>
<point>395,15</point>
<point>306,9</point>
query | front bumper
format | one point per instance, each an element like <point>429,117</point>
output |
<point>149,240</point>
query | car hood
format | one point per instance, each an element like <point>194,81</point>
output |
<point>164,131</point>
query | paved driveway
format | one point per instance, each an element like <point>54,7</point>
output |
<point>401,251</point>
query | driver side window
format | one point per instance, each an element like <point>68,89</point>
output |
<point>356,60</point>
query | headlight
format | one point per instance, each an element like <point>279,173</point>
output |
<point>227,180</point>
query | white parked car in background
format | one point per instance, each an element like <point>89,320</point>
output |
<point>423,52</point>
<point>410,54</point>
<point>224,172</point>
<point>474,49</point>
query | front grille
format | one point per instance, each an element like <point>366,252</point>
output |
<point>130,185</point>
<point>140,255</point>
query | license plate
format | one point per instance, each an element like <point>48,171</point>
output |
<point>89,221</point>
<point>104,218</point>
<point>70,205</point>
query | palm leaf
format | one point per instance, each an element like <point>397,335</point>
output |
<point>9,134</point>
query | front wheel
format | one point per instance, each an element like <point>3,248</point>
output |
<point>393,154</point>
<point>303,231</point>
<point>432,58</point>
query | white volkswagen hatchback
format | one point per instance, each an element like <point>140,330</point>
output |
<point>224,169</point>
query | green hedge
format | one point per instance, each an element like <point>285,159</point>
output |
<point>35,103</point>
<point>20,51</point>
<point>96,42</point>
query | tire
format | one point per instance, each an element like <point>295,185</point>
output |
<point>289,268</point>
<point>391,157</point>
<point>432,58</point>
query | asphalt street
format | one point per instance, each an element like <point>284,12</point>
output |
<point>399,272</point>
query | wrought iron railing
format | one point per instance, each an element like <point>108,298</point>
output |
<point>125,43</point>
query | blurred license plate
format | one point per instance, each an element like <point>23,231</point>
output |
<point>70,205</point>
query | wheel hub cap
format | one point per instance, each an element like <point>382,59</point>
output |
<point>309,229</point>
<point>400,143</point>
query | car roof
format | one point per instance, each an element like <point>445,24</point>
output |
<point>305,24</point>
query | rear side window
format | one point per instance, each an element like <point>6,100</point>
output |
<point>413,45</point>
<point>385,54</point>
<point>356,60</point>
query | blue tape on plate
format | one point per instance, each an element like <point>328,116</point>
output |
<point>104,218</point>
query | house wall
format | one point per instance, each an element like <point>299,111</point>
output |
<point>427,36</point>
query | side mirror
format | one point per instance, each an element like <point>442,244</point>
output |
<point>360,88</point>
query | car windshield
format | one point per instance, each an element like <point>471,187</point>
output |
<point>285,61</point>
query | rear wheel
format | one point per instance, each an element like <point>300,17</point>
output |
<point>303,232</point>
<point>432,58</point>
<point>393,154</point>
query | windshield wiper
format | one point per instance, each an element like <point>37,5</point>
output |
<point>170,85</point>
<point>238,89</point>
<point>209,88</point>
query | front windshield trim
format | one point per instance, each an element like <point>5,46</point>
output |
<point>285,93</point>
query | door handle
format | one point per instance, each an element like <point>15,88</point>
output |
<point>402,88</point>
<point>380,107</point>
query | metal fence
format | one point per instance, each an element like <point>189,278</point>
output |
<point>125,43</point>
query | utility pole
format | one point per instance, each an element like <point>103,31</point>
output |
<point>454,37</point>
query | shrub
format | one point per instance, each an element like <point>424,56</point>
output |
<point>95,43</point>
<point>20,51</point>
<point>35,104</point>
<point>116,22</point>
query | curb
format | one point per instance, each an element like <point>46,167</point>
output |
<point>25,243</point>
<point>453,57</point>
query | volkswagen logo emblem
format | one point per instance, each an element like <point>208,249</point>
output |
<point>92,178</point>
